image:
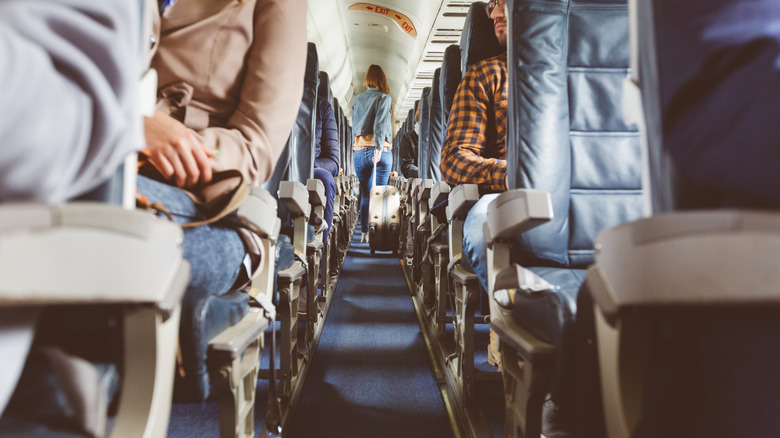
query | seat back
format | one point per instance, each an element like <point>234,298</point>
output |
<point>478,40</point>
<point>340,126</point>
<point>435,129</point>
<point>448,81</point>
<point>301,142</point>
<point>324,88</point>
<point>422,146</point>
<point>566,135</point>
<point>686,74</point>
<point>296,163</point>
<point>711,143</point>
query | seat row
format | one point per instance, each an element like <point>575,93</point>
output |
<point>142,284</point>
<point>596,309</point>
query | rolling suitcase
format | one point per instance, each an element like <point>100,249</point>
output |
<point>384,218</point>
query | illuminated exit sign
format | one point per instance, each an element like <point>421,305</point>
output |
<point>400,19</point>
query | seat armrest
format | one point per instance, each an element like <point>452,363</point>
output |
<point>260,209</point>
<point>414,186</point>
<point>530,347</point>
<point>698,258</point>
<point>316,192</point>
<point>517,277</point>
<point>462,198</point>
<point>438,192</point>
<point>234,340</point>
<point>516,211</point>
<point>424,190</point>
<point>89,253</point>
<point>295,197</point>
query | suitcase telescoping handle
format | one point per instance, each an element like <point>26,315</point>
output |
<point>373,175</point>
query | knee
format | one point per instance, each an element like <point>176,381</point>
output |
<point>473,236</point>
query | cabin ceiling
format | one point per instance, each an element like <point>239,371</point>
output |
<point>377,37</point>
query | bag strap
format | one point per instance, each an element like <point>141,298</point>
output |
<point>236,198</point>
<point>232,192</point>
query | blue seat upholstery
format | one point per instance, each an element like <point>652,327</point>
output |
<point>708,62</point>
<point>709,369</point>
<point>435,129</point>
<point>449,80</point>
<point>478,40</point>
<point>567,63</point>
<point>422,145</point>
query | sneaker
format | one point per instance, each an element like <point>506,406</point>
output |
<point>364,238</point>
<point>494,357</point>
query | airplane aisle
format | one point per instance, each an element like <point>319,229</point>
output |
<point>371,375</point>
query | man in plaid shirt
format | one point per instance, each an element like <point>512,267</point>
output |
<point>474,151</point>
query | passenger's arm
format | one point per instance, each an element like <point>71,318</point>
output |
<point>408,168</point>
<point>463,160</point>
<point>69,71</point>
<point>382,121</point>
<point>328,158</point>
<point>256,133</point>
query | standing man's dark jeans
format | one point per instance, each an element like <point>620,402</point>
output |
<point>330,194</point>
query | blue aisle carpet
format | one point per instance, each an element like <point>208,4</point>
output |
<point>371,376</point>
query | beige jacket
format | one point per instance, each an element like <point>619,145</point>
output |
<point>232,71</point>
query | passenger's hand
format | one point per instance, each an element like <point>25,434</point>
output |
<point>175,151</point>
<point>341,171</point>
<point>393,174</point>
<point>377,155</point>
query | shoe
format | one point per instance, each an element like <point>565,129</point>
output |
<point>494,357</point>
<point>364,238</point>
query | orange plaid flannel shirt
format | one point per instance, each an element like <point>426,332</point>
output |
<point>474,152</point>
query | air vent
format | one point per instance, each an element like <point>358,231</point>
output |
<point>459,4</point>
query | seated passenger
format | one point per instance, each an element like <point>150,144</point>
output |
<point>233,109</point>
<point>474,148</point>
<point>70,71</point>
<point>71,113</point>
<point>409,143</point>
<point>326,162</point>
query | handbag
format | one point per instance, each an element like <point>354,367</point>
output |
<point>219,201</point>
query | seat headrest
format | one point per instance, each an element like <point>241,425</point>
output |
<point>422,150</point>
<point>435,129</point>
<point>449,80</point>
<point>478,40</point>
<point>324,89</point>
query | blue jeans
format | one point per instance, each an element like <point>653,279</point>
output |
<point>215,254</point>
<point>330,193</point>
<point>474,245</point>
<point>364,168</point>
